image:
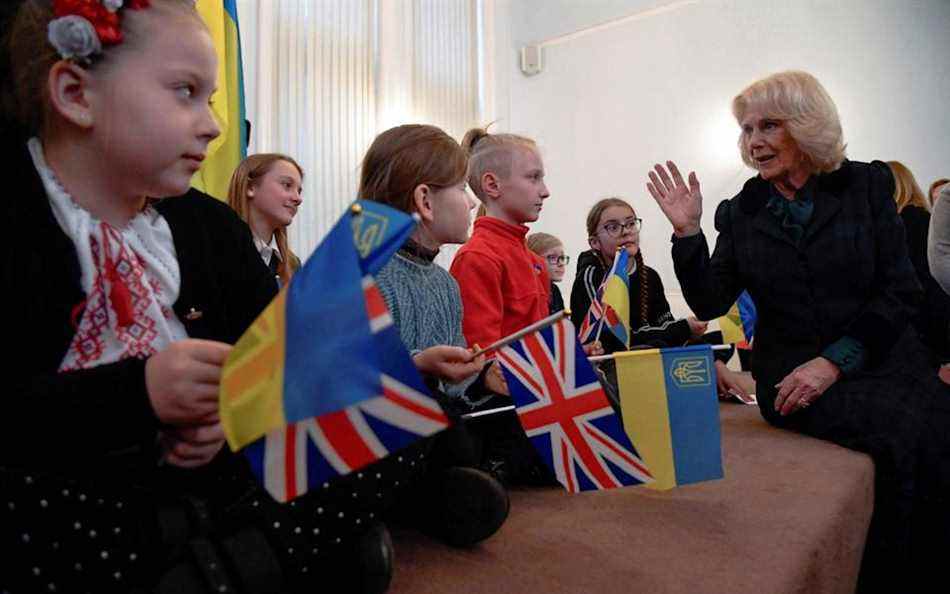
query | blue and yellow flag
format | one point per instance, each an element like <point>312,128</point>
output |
<point>738,325</point>
<point>228,150</point>
<point>316,348</point>
<point>616,301</point>
<point>671,412</point>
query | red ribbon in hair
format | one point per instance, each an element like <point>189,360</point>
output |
<point>104,22</point>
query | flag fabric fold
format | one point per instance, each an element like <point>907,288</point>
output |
<point>671,412</point>
<point>227,151</point>
<point>617,298</point>
<point>738,325</point>
<point>566,414</point>
<point>321,384</point>
<point>314,349</point>
<point>611,305</point>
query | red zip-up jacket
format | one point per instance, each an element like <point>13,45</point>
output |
<point>504,285</point>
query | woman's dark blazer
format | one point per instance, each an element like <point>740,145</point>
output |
<point>848,276</point>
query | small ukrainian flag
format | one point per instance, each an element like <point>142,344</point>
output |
<point>738,325</point>
<point>671,412</point>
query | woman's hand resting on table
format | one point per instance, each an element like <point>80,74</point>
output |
<point>805,384</point>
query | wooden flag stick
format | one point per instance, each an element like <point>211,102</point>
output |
<point>551,319</point>
<point>715,347</point>
<point>490,411</point>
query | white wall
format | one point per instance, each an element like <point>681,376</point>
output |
<point>612,101</point>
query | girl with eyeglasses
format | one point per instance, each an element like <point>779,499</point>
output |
<point>551,249</point>
<point>611,224</point>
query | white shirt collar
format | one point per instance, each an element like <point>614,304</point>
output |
<point>266,250</point>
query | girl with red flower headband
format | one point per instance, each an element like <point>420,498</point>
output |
<point>121,306</point>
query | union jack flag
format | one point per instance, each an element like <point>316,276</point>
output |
<point>602,310</point>
<point>301,455</point>
<point>565,412</point>
<point>594,315</point>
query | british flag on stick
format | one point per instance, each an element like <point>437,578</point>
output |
<point>307,453</point>
<point>566,414</point>
<point>321,384</point>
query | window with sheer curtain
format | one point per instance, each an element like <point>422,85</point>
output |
<point>323,77</point>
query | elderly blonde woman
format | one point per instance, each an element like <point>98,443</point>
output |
<point>817,242</point>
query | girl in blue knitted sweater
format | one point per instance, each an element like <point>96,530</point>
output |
<point>421,169</point>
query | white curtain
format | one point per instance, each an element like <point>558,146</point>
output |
<point>323,77</point>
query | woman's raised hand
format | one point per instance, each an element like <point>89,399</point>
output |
<point>682,204</point>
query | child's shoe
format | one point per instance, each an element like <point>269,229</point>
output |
<point>463,506</point>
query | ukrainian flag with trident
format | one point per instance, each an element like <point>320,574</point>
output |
<point>671,412</point>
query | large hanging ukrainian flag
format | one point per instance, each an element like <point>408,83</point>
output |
<point>229,149</point>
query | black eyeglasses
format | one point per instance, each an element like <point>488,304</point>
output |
<point>615,229</point>
<point>558,259</point>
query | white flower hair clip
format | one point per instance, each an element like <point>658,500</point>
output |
<point>74,38</point>
<point>81,28</point>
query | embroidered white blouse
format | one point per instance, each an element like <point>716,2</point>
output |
<point>130,277</point>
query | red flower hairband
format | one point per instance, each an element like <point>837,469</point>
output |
<point>80,28</point>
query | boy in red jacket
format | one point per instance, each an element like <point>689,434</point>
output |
<point>504,285</point>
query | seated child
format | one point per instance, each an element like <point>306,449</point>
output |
<point>504,286</point>
<point>551,249</point>
<point>265,191</point>
<point>611,224</point>
<point>420,169</point>
<point>113,466</point>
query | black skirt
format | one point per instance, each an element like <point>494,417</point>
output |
<point>73,535</point>
<point>899,414</point>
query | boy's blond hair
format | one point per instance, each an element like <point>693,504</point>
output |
<point>492,153</point>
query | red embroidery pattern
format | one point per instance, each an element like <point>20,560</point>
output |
<point>99,334</point>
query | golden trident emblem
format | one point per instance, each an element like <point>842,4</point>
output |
<point>690,372</point>
<point>369,229</point>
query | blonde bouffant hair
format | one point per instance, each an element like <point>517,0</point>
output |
<point>799,101</point>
